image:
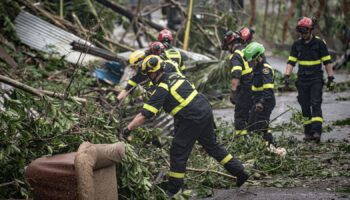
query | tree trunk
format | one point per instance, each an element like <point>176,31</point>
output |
<point>253,8</point>
<point>265,17</point>
<point>346,11</point>
<point>321,8</point>
<point>273,31</point>
<point>286,20</point>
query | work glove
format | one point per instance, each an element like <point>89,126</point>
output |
<point>330,83</point>
<point>286,81</point>
<point>259,107</point>
<point>233,97</point>
<point>125,135</point>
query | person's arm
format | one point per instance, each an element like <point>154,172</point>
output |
<point>289,70</point>
<point>268,82</point>
<point>122,95</point>
<point>234,84</point>
<point>329,69</point>
<point>292,59</point>
<point>326,59</point>
<point>138,120</point>
<point>236,66</point>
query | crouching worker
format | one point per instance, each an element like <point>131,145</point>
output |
<point>263,95</point>
<point>177,96</point>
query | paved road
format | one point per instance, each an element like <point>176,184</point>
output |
<point>277,194</point>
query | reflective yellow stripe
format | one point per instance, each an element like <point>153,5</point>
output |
<point>176,174</point>
<point>269,86</point>
<point>247,69</point>
<point>241,132</point>
<point>132,83</point>
<point>307,122</point>
<point>150,108</point>
<point>317,119</point>
<point>234,68</point>
<point>183,67</point>
<point>184,103</point>
<point>309,62</point>
<point>239,52</point>
<point>174,93</point>
<point>257,89</point>
<point>176,67</point>
<point>226,159</point>
<point>172,53</point>
<point>265,86</point>
<point>163,85</point>
<point>325,58</point>
<point>293,59</point>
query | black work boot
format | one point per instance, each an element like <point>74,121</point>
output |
<point>242,178</point>
<point>317,137</point>
<point>308,137</point>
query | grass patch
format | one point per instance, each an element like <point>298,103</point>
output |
<point>343,99</point>
<point>342,122</point>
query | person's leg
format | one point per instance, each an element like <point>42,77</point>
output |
<point>316,101</point>
<point>305,104</point>
<point>262,120</point>
<point>242,109</point>
<point>208,140</point>
<point>180,150</point>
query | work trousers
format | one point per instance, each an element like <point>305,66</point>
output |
<point>310,100</point>
<point>242,108</point>
<point>187,133</point>
<point>259,121</point>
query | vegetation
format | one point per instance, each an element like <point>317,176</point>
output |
<point>31,127</point>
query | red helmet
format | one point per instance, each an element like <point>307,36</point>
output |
<point>305,24</point>
<point>246,34</point>
<point>165,36</point>
<point>156,48</point>
<point>229,38</point>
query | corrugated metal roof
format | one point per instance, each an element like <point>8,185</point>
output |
<point>43,36</point>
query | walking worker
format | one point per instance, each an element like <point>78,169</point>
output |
<point>241,76</point>
<point>177,96</point>
<point>166,38</point>
<point>309,51</point>
<point>262,91</point>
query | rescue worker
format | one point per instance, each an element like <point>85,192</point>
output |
<point>309,51</point>
<point>135,60</point>
<point>166,38</point>
<point>158,48</point>
<point>241,77</point>
<point>262,91</point>
<point>177,96</point>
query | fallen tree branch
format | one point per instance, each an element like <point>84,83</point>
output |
<point>121,10</point>
<point>7,58</point>
<point>77,46</point>
<point>8,183</point>
<point>37,92</point>
<point>211,171</point>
